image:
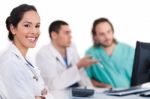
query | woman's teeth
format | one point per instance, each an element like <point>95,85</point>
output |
<point>31,39</point>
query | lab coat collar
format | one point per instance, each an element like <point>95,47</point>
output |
<point>18,54</point>
<point>69,56</point>
<point>58,55</point>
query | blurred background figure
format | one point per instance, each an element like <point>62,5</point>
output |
<point>59,62</point>
<point>115,57</point>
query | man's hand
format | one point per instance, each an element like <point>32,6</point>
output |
<point>86,61</point>
<point>40,97</point>
<point>43,93</point>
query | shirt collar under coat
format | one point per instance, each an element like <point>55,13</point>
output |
<point>56,54</point>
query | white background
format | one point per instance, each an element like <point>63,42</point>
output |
<point>131,19</point>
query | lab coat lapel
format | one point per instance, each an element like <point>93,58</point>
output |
<point>57,55</point>
<point>69,57</point>
<point>17,52</point>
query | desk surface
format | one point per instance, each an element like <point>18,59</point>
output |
<point>98,95</point>
<point>103,96</point>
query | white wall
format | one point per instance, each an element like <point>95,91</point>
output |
<point>131,19</point>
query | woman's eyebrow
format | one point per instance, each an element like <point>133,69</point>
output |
<point>30,22</point>
<point>27,22</point>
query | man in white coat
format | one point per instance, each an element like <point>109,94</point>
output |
<point>59,61</point>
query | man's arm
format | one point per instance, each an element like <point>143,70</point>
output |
<point>100,84</point>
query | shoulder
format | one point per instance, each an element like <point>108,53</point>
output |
<point>9,64</point>
<point>45,53</point>
<point>125,47</point>
<point>44,50</point>
<point>6,57</point>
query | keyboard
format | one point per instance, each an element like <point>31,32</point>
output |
<point>128,91</point>
<point>80,92</point>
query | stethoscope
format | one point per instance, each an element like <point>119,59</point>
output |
<point>31,68</point>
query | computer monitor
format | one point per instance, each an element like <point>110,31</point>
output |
<point>141,65</point>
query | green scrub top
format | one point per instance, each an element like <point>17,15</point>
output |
<point>117,68</point>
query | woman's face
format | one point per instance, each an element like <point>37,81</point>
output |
<point>27,31</point>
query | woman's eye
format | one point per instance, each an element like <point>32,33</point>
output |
<point>27,25</point>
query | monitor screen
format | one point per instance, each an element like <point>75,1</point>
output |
<point>141,65</point>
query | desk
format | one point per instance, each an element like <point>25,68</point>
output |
<point>103,96</point>
<point>100,95</point>
<point>66,94</point>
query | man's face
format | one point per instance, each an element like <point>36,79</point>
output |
<point>104,34</point>
<point>63,38</point>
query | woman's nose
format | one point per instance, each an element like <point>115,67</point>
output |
<point>35,30</point>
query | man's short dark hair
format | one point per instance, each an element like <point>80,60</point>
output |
<point>55,26</point>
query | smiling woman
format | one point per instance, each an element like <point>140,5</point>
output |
<point>24,29</point>
<point>26,83</point>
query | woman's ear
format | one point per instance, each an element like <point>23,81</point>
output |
<point>12,29</point>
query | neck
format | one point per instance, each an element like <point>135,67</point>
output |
<point>109,49</point>
<point>21,48</point>
<point>60,49</point>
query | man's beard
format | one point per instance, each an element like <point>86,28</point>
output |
<point>108,45</point>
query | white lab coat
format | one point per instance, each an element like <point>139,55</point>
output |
<point>54,71</point>
<point>3,91</point>
<point>18,77</point>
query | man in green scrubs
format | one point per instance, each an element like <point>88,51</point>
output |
<point>116,58</point>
